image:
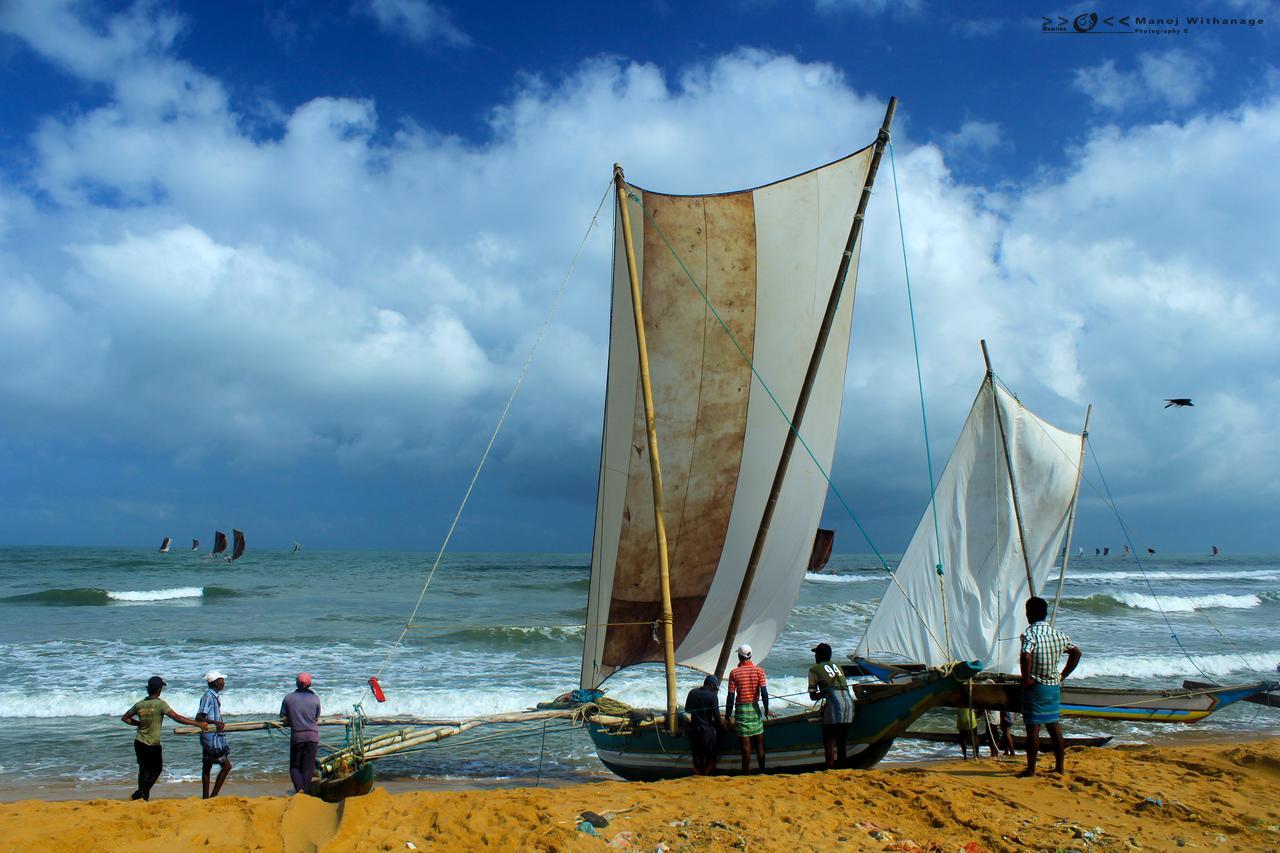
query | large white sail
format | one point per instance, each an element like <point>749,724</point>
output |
<point>766,259</point>
<point>985,584</point>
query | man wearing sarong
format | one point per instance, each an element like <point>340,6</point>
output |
<point>747,695</point>
<point>213,745</point>
<point>827,682</point>
<point>703,708</point>
<point>1042,648</point>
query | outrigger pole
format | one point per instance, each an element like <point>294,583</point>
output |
<point>1008,464</point>
<point>810,376</point>
<point>655,469</point>
<point>1071,521</point>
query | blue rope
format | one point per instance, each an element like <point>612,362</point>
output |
<point>915,342</point>
<point>750,364</point>
<point>1124,528</point>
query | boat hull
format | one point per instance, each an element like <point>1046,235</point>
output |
<point>1004,693</point>
<point>793,742</point>
<point>1135,705</point>
<point>355,784</point>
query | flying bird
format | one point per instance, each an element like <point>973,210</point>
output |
<point>1179,401</point>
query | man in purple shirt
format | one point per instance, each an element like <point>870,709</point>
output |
<point>300,710</point>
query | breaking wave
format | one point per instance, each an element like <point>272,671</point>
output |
<point>1130,575</point>
<point>505,635</point>
<point>90,597</point>
<point>1167,603</point>
<point>825,578</point>
<point>1177,666</point>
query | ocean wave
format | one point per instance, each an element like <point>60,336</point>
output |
<point>1191,575</point>
<point>92,596</point>
<point>414,699</point>
<point>1167,603</point>
<point>837,609</point>
<point>825,578</point>
<point>1244,666</point>
<point>509,634</point>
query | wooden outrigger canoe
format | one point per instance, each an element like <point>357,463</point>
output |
<point>793,743</point>
<point>1190,703</point>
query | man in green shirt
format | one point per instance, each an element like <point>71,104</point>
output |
<point>148,716</point>
<point>827,683</point>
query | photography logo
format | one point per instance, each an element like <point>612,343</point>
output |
<point>1093,24</point>
<point>1086,23</point>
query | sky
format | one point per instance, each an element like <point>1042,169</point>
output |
<point>277,265</point>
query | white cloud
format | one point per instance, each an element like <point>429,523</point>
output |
<point>418,21</point>
<point>975,136</point>
<point>1175,79</point>
<point>60,30</point>
<point>364,290</point>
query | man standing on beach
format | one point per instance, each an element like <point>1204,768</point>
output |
<point>827,682</point>
<point>148,716</point>
<point>747,694</point>
<point>1042,648</point>
<point>703,707</point>
<point>213,745</point>
<point>300,710</point>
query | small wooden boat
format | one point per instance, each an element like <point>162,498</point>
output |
<point>357,783</point>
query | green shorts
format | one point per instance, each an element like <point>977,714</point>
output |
<point>748,721</point>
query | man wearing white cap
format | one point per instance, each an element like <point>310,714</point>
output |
<point>747,693</point>
<point>213,744</point>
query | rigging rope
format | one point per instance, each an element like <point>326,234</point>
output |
<point>778,405</point>
<point>1106,497</point>
<point>1150,588</point>
<point>1125,530</point>
<point>924,418</point>
<point>524,370</point>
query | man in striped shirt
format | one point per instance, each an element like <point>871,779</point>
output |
<point>747,693</point>
<point>1042,648</point>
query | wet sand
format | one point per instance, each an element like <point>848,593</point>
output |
<point>1216,796</point>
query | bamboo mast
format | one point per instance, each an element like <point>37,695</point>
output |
<point>1008,464</point>
<point>655,469</point>
<point>1071,521</point>
<point>811,375</point>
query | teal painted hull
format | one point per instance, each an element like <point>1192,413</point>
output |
<point>793,743</point>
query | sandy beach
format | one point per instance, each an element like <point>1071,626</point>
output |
<point>1220,796</point>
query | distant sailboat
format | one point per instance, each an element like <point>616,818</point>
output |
<point>164,546</point>
<point>1214,552</point>
<point>1126,551</point>
<point>237,550</point>
<point>219,542</point>
<point>1106,552</point>
<point>296,548</point>
<point>1080,553</point>
<point>195,544</point>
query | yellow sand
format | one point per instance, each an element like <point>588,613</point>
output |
<point>1224,796</point>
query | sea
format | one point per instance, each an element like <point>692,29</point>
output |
<point>82,629</point>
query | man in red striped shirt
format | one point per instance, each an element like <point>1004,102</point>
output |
<point>747,694</point>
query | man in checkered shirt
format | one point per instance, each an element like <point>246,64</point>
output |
<point>1042,648</point>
